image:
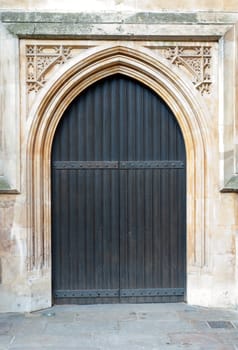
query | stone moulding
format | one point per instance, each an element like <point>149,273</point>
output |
<point>119,24</point>
<point>50,104</point>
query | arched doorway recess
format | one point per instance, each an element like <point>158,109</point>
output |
<point>60,92</point>
<point>118,180</point>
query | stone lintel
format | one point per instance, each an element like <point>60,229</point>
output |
<point>149,25</point>
<point>116,31</point>
<point>162,17</point>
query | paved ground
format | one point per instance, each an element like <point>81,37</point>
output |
<point>121,327</point>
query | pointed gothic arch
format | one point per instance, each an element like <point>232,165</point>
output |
<point>59,92</point>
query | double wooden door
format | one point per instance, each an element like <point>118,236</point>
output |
<point>118,198</point>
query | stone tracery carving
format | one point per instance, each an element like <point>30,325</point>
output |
<point>39,59</point>
<point>196,60</point>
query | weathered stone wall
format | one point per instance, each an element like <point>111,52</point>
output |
<point>149,44</point>
<point>122,5</point>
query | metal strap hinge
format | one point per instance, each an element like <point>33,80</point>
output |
<point>107,293</point>
<point>163,164</point>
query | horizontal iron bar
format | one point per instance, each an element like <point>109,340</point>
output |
<point>84,293</point>
<point>163,164</point>
<point>99,293</point>
<point>151,292</point>
<point>152,164</point>
<point>85,164</point>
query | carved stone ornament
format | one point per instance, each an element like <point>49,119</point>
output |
<point>196,60</point>
<point>40,59</point>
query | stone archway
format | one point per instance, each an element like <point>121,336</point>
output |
<point>52,101</point>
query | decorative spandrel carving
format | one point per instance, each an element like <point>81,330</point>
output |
<point>195,60</point>
<point>40,59</point>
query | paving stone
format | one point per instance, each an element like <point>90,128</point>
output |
<point>157,316</point>
<point>80,327</point>
<point>215,347</point>
<point>58,340</point>
<point>79,347</point>
<point>24,347</point>
<point>5,340</point>
<point>209,314</point>
<point>119,327</point>
<point>154,326</point>
<point>5,327</point>
<point>29,326</point>
<point>227,336</point>
<point>124,341</point>
<point>106,316</point>
<point>205,340</point>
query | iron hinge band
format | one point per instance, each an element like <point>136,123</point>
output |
<point>163,164</point>
<point>107,293</point>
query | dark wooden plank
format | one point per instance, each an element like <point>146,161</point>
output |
<point>118,194</point>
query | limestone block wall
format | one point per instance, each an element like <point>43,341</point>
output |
<point>189,58</point>
<point>122,5</point>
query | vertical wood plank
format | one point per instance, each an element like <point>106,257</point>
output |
<point>118,228</point>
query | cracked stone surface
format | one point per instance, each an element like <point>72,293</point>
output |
<point>120,327</point>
